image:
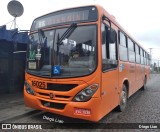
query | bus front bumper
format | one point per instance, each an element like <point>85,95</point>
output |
<point>82,110</point>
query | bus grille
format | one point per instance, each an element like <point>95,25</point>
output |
<point>46,95</point>
<point>60,87</point>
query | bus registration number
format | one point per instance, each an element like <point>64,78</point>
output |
<point>39,84</point>
<point>82,111</point>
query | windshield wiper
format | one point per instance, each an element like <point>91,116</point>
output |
<point>66,34</point>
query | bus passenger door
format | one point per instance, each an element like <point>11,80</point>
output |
<point>109,80</point>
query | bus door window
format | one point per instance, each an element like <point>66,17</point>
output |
<point>109,50</point>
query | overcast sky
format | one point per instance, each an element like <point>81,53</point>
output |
<point>141,18</point>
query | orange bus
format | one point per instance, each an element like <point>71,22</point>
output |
<point>82,64</point>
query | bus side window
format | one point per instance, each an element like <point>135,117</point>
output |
<point>142,56</point>
<point>131,50</point>
<point>123,47</point>
<point>109,50</point>
<point>138,57</point>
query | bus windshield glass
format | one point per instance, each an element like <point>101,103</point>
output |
<point>76,55</point>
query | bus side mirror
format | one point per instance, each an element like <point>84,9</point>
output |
<point>112,36</point>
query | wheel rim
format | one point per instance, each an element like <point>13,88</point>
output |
<point>123,97</point>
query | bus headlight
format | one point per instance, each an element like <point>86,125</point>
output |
<point>29,89</point>
<point>86,93</point>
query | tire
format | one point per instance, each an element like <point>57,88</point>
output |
<point>144,85</point>
<point>123,99</point>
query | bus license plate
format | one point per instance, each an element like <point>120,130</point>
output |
<point>82,111</point>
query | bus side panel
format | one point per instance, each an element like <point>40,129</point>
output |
<point>132,78</point>
<point>143,75</point>
<point>140,69</point>
<point>123,74</point>
<point>138,76</point>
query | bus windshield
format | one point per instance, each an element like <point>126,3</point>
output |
<point>75,56</point>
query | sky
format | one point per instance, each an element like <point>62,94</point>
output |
<point>141,18</point>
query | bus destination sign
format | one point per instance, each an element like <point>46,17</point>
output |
<point>66,16</point>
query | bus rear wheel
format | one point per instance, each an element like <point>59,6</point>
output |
<point>144,85</point>
<point>123,99</point>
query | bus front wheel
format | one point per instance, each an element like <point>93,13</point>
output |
<point>123,99</point>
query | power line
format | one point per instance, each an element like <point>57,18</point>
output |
<point>8,22</point>
<point>13,22</point>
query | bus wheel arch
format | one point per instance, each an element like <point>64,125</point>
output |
<point>126,83</point>
<point>123,96</point>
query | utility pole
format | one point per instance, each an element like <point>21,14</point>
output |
<point>150,50</point>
